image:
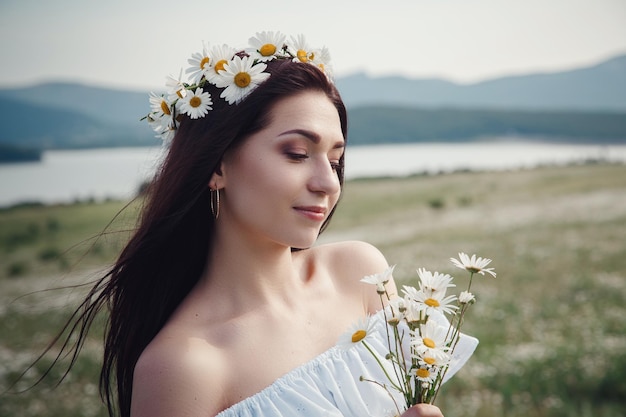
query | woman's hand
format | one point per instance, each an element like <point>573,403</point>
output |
<point>423,410</point>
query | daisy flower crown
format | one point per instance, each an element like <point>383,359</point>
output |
<point>237,72</point>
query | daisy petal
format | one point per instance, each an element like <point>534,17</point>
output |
<point>357,333</point>
<point>474,264</point>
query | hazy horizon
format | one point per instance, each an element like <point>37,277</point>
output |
<point>134,45</point>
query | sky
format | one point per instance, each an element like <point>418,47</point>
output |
<point>134,44</point>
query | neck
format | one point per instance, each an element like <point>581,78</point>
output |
<point>244,274</point>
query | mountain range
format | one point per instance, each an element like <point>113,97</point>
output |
<point>600,87</point>
<point>580,102</point>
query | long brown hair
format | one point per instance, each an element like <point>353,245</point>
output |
<point>165,257</point>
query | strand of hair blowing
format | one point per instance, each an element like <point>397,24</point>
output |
<point>158,267</point>
<point>166,256</point>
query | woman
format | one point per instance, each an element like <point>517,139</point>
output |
<point>220,302</point>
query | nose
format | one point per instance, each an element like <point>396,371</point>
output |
<point>324,179</point>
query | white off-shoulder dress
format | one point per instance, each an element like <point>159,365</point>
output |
<point>329,385</point>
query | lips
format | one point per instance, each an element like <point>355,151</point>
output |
<point>312,212</point>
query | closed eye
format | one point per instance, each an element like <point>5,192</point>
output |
<point>297,156</point>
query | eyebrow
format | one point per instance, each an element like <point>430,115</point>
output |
<point>312,136</point>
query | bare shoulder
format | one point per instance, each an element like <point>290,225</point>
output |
<point>178,376</point>
<point>348,262</point>
<point>355,257</point>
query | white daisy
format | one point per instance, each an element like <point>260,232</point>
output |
<point>196,104</point>
<point>175,87</point>
<point>200,64</point>
<point>394,311</point>
<point>163,127</point>
<point>300,49</point>
<point>264,46</point>
<point>430,340</point>
<point>321,59</point>
<point>397,306</point>
<point>379,279</point>
<point>466,297</point>
<point>220,56</point>
<point>357,333</point>
<point>425,374</point>
<point>473,264</point>
<point>158,123</point>
<point>161,118</point>
<point>240,77</point>
<point>434,282</point>
<point>160,106</point>
<point>414,312</point>
<point>438,361</point>
<point>431,300</point>
<point>168,135</point>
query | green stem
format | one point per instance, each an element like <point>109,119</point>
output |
<point>469,286</point>
<point>382,367</point>
<point>386,389</point>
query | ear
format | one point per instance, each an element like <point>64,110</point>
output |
<point>217,178</point>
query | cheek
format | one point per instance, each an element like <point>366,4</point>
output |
<point>247,168</point>
<point>259,177</point>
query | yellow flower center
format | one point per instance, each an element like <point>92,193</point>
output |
<point>268,49</point>
<point>165,108</point>
<point>429,361</point>
<point>431,302</point>
<point>179,93</point>
<point>242,79</point>
<point>220,65</point>
<point>204,61</point>
<point>301,55</point>
<point>428,342</point>
<point>195,101</point>
<point>358,336</point>
<point>423,373</point>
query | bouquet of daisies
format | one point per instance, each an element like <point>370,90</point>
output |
<point>423,329</point>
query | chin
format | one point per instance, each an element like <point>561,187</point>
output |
<point>305,243</point>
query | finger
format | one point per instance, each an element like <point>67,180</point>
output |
<point>423,410</point>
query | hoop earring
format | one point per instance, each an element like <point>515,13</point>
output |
<point>215,203</point>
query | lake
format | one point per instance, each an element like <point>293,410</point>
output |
<point>67,176</point>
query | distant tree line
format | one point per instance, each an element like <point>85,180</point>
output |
<point>396,124</point>
<point>10,153</point>
<point>367,125</point>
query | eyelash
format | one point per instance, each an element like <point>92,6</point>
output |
<point>297,156</point>
<point>336,166</point>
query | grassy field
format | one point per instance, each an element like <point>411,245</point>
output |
<point>551,326</point>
